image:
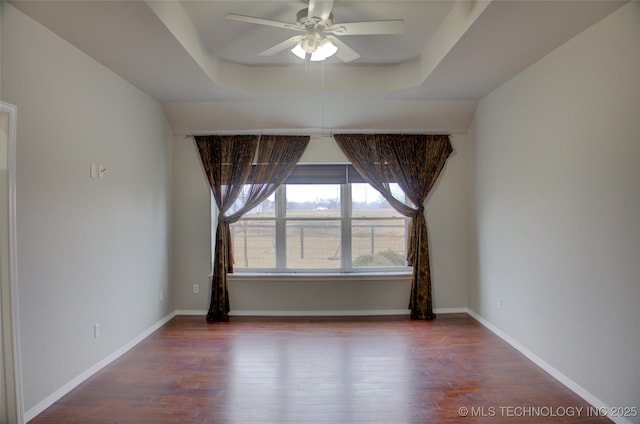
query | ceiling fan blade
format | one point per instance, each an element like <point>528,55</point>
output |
<point>368,28</point>
<point>345,53</point>
<point>290,42</point>
<point>261,21</point>
<point>320,9</point>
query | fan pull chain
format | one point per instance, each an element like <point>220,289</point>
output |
<point>323,97</point>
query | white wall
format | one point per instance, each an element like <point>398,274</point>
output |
<point>448,217</point>
<point>89,250</point>
<point>557,199</point>
<point>191,226</point>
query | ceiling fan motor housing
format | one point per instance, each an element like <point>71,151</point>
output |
<point>313,22</point>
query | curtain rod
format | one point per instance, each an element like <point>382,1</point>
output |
<point>315,135</point>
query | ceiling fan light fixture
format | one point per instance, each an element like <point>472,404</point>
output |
<point>299,51</point>
<point>324,50</point>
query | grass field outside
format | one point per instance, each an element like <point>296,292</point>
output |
<point>317,244</point>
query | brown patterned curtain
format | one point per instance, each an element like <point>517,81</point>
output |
<point>228,162</point>
<point>414,162</point>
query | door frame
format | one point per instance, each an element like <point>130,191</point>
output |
<point>14,363</point>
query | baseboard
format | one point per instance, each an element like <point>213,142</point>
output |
<point>570,384</point>
<point>450,311</point>
<point>58,394</point>
<point>322,313</point>
<point>197,312</point>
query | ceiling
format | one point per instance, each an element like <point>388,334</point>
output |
<point>206,72</point>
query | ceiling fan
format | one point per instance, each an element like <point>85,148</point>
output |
<point>319,39</point>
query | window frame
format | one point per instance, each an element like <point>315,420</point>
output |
<point>345,219</point>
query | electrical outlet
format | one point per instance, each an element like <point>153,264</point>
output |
<point>96,330</point>
<point>196,288</point>
<point>161,295</point>
<point>499,303</point>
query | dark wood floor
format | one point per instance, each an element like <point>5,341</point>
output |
<point>383,370</point>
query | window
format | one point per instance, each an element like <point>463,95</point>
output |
<point>321,227</point>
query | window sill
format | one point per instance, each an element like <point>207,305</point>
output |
<point>319,277</point>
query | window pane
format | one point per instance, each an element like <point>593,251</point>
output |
<point>254,243</point>
<point>378,243</point>
<point>368,202</point>
<point>266,209</point>
<point>313,244</point>
<point>313,200</point>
